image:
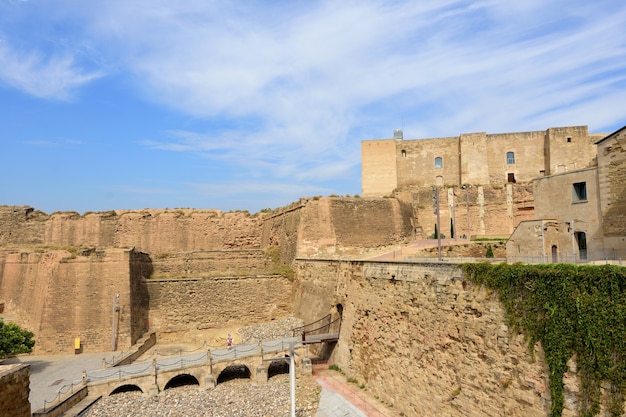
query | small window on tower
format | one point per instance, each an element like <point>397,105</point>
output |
<point>510,177</point>
<point>403,153</point>
<point>569,139</point>
<point>510,158</point>
<point>438,162</point>
<point>579,191</point>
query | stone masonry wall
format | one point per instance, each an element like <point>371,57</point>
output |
<point>14,390</point>
<point>150,231</point>
<point>492,210</point>
<point>424,340</point>
<point>59,296</point>
<point>337,226</point>
<point>209,263</point>
<point>184,308</point>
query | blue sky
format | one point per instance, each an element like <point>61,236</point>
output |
<point>246,105</point>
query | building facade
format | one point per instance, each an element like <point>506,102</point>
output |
<point>580,215</point>
<point>394,165</point>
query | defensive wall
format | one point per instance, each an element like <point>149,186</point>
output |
<point>424,340</point>
<point>149,231</point>
<point>54,283</point>
<point>15,384</point>
<point>185,308</point>
<point>61,296</point>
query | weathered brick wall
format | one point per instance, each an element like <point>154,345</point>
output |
<point>183,307</point>
<point>423,339</point>
<point>14,390</point>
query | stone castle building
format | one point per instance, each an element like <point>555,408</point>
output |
<point>484,181</point>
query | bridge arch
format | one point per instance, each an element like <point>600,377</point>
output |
<point>181,381</point>
<point>234,371</point>
<point>126,388</point>
<point>278,367</point>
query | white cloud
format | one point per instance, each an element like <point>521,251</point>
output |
<point>297,85</point>
<point>51,78</point>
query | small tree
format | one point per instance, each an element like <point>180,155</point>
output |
<point>489,253</point>
<point>14,340</point>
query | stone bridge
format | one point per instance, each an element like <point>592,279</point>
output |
<point>203,368</point>
<point>206,369</point>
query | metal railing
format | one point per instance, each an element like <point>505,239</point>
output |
<point>583,257</point>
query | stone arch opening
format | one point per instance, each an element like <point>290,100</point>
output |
<point>339,308</point>
<point>181,381</point>
<point>126,388</point>
<point>233,372</point>
<point>278,367</point>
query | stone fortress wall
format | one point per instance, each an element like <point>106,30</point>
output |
<point>425,341</point>
<point>418,336</point>
<point>61,273</point>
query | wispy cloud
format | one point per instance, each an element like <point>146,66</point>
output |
<point>53,77</point>
<point>286,91</point>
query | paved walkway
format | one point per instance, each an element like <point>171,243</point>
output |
<point>340,398</point>
<point>50,373</point>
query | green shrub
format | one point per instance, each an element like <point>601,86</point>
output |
<point>14,340</point>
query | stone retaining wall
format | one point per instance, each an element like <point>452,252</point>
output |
<point>14,390</point>
<point>424,340</point>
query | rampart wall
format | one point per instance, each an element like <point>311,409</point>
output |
<point>149,231</point>
<point>424,340</point>
<point>14,390</point>
<point>188,308</point>
<point>337,226</point>
<point>60,296</point>
<point>195,264</point>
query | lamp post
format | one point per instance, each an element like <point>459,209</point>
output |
<point>469,225</point>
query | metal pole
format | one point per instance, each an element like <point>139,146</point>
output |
<point>456,232</point>
<point>436,195</point>
<point>113,326</point>
<point>116,308</point>
<point>573,243</point>
<point>292,375</point>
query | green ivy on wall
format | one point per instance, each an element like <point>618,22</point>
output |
<point>571,310</point>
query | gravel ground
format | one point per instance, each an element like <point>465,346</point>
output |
<point>272,330</point>
<point>235,398</point>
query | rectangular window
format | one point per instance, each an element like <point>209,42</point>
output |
<point>510,158</point>
<point>579,192</point>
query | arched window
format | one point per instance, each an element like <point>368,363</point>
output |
<point>510,158</point>
<point>438,162</point>
<point>403,153</point>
